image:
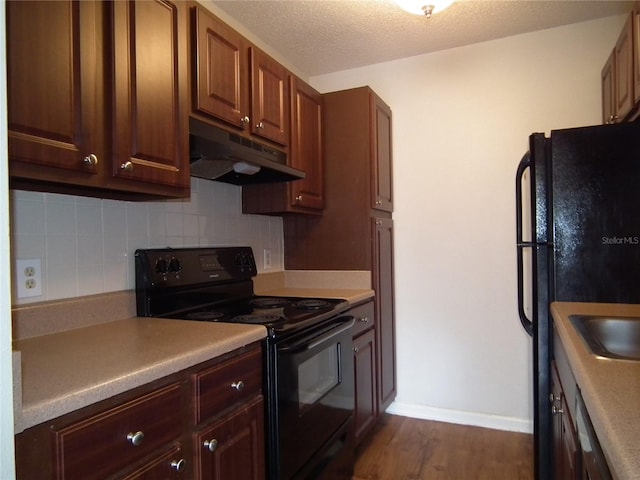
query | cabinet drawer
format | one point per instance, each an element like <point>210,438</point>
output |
<point>226,384</point>
<point>104,443</point>
<point>364,315</point>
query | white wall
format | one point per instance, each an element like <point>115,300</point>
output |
<point>86,245</point>
<point>461,120</point>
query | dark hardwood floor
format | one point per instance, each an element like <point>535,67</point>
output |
<point>402,448</point>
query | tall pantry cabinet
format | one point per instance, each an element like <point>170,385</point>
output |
<point>355,231</point>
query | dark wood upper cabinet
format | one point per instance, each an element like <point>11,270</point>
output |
<point>236,82</point>
<point>624,96</point>
<point>608,90</point>
<point>54,102</point>
<point>221,69</point>
<point>636,51</point>
<point>382,174</point>
<point>97,98</point>
<point>150,96</point>
<point>270,97</point>
<point>620,75</point>
<point>305,153</point>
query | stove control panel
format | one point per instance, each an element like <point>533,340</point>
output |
<point>174,267</point>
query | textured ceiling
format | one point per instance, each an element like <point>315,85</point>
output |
<point>319,36</point>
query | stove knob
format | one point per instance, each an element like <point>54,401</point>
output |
<point>162,266</point>
<point>174,265</point>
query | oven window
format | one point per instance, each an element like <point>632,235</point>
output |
<point>318,375</point>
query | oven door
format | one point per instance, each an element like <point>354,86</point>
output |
<point>315,397</point>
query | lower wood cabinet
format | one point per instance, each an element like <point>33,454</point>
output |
<point>365,370</point>
<point>565,443</point>
<point>203,422</point>
<point>233,447</point>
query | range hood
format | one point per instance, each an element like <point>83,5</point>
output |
<point>227,157</point>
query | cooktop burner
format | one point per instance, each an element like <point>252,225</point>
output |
<point>256,318</point>
<point>268,302</point>
<point>312,304</point>
<point>205,316</point>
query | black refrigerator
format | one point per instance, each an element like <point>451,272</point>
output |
<point>578,239</point>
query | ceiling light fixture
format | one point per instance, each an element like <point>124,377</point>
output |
<point>424,7</point>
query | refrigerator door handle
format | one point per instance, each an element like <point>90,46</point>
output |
<point>521,244</point>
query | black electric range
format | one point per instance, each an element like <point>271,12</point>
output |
<point>309,385</point>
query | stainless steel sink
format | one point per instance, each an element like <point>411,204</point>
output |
<point>609,336</point>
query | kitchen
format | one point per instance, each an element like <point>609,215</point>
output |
<point>504,86</point>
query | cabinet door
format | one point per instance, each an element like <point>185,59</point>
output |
<point>385,320</point>
<point>150,131</point>
<point>233,448</point>
<point>608,90</point>
<point>381,148</point>
<point>169,466</point>
<point>624,95</point>
<point>270,98</point>
<point>565,441</point>
<point>53,61</point>
<point>221,70</point>
<point>636,52</point>
<point>364,357</point>
<point>306,146</point>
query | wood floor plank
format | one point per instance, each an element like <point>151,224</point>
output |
<point>402,448</point>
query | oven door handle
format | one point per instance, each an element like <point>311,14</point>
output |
<point>344,323</point>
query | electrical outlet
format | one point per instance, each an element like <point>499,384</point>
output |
<point>266,263</point>
<point>29,277</point>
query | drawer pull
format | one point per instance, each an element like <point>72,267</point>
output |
<point>178,465</point>
<point>135,438</point>
<point>211,445</point>
<point>238,386</point>
<point>363,319</point>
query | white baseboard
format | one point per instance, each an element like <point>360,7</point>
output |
<point>495,422</point>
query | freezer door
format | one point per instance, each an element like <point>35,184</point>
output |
<point>596,213</point>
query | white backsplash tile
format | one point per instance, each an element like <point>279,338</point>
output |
<point>87,245</point>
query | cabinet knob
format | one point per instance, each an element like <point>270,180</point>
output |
<point>238,386</point>
<point>355,349</point>
<point>178,465</point>
<point>211,445</point>
<point>378,203</point>
<point>260,126</point>
<point>298,198</point>
<point>90,160</point>
<point>555,410</point>
<point>135,438</point>
<point>553,398</point>
<point>127,167</point>
<point>378,222</point>
<point>363,319</point>
<point>246,120</point>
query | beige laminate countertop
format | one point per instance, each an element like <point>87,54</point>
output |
<point>610,388</point>
<point>65,371</point>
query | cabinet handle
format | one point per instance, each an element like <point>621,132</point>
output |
<point>553,398</point>
<point>90,160</point>
<point>135,438</point>
<point>238,386</point>
<point>298,198</point>
<point>127,167</point>
<point>555,410</point>
<point>211,445</point>
<point>246,120</point>
<point>363,319</point>
<point>378,222</point>
<point>378,203</point>
<point>178,465</point>
<point>260,126</point>
<point>355,349</point>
